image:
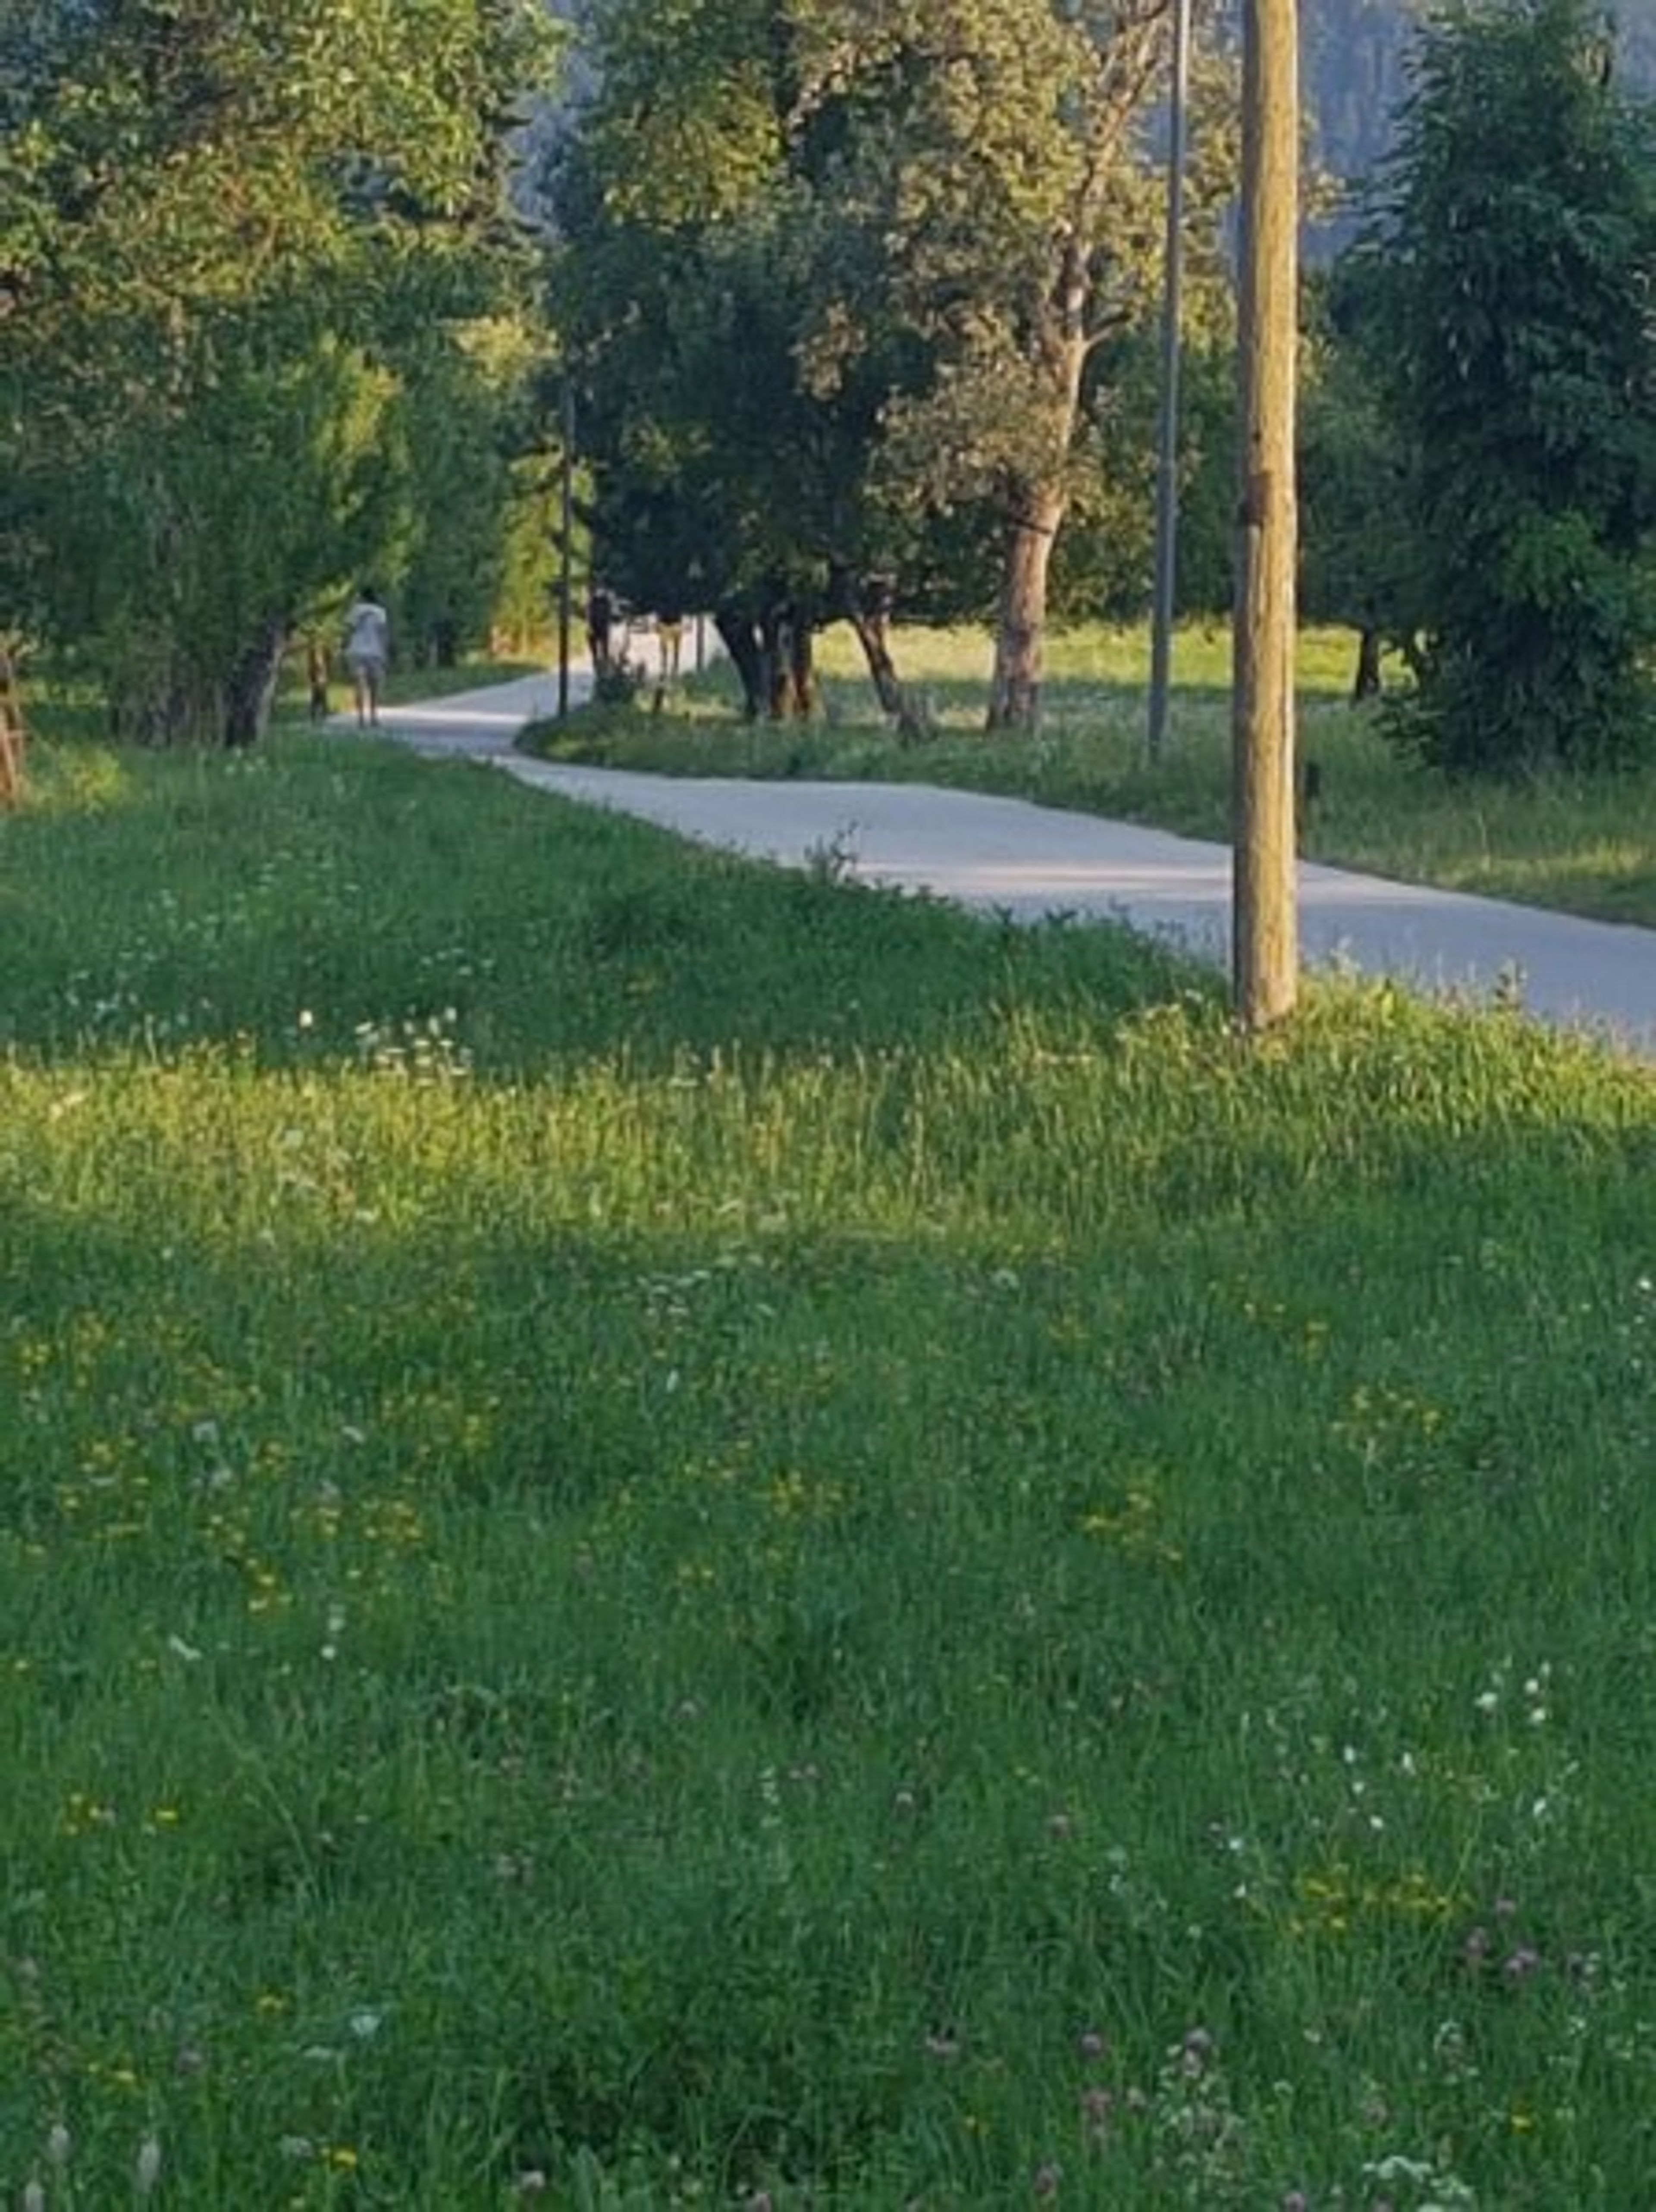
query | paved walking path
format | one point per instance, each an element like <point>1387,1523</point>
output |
<point>1006,855</point>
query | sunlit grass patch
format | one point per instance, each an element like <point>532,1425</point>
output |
<point>721,1539</point>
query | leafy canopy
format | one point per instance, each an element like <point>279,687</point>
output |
<point>1515,273</point>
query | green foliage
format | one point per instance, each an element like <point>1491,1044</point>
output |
<point>1361,551</point>
<point>682,286</point>
<point>1354,68</point>
<point>673,1532</point>
<point>1521,249</point>
<point>841,284</point>
<point>479,490</point>
<point>244,252</point>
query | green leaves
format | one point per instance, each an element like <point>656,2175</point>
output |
<point>1519,370</point>
<point>834,274</point>
<point>236,238</point>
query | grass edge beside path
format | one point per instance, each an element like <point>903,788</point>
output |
<point>1577,846</point>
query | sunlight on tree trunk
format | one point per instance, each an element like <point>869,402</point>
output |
<point>1020,630</point>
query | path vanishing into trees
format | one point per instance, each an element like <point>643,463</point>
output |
<point>1008,856</point>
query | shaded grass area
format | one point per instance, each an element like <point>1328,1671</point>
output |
<point>1584,846</point>
<point>722,1539</point>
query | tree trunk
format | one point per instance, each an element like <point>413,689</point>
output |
<point>772,644</point>
<point>1366,684</point>
<point>802,666</point>
<point>873,636</point>
<point>251,690</point>
<point>787,638</point>
<point>901,705</point>
<point>1266,948</point>
<point>155,698</point>
<point>741,640</point>
<point>1020,630</point>
<point>867,608</point>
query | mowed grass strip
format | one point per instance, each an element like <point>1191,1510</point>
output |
<point>1580,845</point>
<point>673,1535</point>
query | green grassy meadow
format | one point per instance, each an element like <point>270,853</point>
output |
<point>676,1535</point>
<point>1581,845</point>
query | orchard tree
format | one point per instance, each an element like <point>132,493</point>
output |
<point>991,151</point>
<point>691,238</point>
<point>1518,259</point>
<point>949,213</point>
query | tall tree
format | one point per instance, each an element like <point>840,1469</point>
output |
<point>955,214</point>
<point>730,452</point>
<point>992,149</point>
<point>1359,537</point>
<point>1519,260</point>
<point>226,234</point>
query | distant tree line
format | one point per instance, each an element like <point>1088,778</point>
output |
<point>1480,462</point>
<point>858,303</point>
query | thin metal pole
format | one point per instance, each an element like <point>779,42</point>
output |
<point>1166,477</point>
<point>566,528</point>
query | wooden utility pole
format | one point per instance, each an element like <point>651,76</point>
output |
<point>1265,920</point>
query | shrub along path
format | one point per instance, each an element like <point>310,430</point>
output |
<point>1006,855</point>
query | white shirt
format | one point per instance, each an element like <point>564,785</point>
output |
<point>367,632</point>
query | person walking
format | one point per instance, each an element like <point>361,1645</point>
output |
<point>367,650</point>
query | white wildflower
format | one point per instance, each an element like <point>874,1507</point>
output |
<point>148,2170</point>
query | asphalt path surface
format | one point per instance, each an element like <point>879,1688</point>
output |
<point>1007,857</point>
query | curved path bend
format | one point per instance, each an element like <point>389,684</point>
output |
<point>1008,856</point>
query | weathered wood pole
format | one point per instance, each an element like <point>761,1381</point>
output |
<point>1265,918</point>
